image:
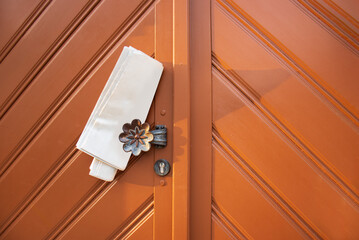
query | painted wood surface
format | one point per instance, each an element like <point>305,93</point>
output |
<point>260,99</point>
<point>51,77</point>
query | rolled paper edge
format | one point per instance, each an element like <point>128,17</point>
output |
<point>101,170</point>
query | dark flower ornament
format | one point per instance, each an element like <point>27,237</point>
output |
<point>136,137</point>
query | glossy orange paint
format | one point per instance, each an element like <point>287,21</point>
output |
<point>285,121</point>
<point>259,97</point>
<point>51,80</point>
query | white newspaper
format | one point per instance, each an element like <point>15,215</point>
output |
<point>127,95</point>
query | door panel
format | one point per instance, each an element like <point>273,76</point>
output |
<point>274,83</point>
<point>259,98</point>
<point>82,101</point>
<point>15,19</point>
<point>45,189</point>
<point>33,51</point>
<point>307,45</point>
<point>60,77</point>
<point>250,211</point>
<point>119,201</point>
<point>284,122</point>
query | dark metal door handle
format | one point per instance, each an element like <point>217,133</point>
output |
<point>137,137</point>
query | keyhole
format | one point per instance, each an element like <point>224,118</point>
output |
<point>162,167</point>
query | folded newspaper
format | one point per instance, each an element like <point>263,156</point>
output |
<point>127,95</point>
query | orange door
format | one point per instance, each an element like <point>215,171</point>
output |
<point>284,109</point>
<point>260,99</point>
<point>56,57</point>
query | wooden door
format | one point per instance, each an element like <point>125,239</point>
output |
<point>56,57</point>
<point>260,99</point>
<point>283,107</point>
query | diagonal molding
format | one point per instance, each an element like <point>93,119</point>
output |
<point>55,47</point>
<point>223,220</point>
<point>44,184</point>
<point>289,210</point>
<point>280,52</point>
<point>87,202</point>
<point>52,175</point>
<point>25,26</point>
<point>330,22</point>
<point>55,108</point>
<point>343,13</point>
<point>332,174</point>
<point>135,221</point>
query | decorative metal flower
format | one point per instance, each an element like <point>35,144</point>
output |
<point>136,137</point>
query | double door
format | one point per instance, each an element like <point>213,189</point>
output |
<point>260,99</point>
